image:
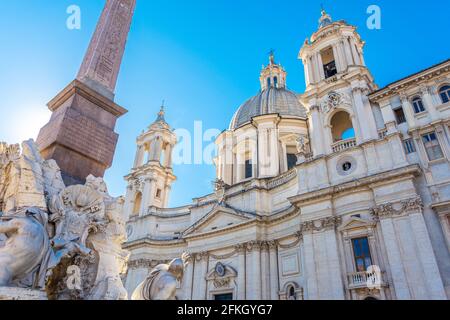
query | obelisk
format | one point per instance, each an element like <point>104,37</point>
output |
<point>80,134</point>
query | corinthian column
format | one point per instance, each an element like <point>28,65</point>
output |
<point>254,274</point>
<point>241,272</point>
<point>200,272</point>
<point>408,110</point>
<point>429,104</point>
<point>189,275</point>
<point>273,260</point>
<point>317,132</point>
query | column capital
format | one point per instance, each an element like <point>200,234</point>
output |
<point>315,107</point>
<point>403,96</point>
<point>256,245</point>
<point>201,256</point>
<point>425,90</point>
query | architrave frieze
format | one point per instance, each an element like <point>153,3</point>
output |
<point>319,225</point>
<point>401,208</point>
<point>332,191</point>
<point>145,263</point>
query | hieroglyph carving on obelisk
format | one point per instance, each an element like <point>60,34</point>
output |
<point>101,65</point>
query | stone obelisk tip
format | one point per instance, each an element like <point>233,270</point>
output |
<point>101,64</point>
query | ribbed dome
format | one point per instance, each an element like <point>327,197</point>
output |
<point>269,101</point>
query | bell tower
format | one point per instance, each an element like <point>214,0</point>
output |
<point>80,134</point>
<point>334,49</point>
<point>151,177</point>
<point>337,87</point>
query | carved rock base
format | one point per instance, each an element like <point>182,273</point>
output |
<point>73,278</point>
<point>7,293</point>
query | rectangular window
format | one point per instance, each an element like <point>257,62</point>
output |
<point>291,160</point>
<point>223,297</point>
<point>248,169</point>
<point>409,146</point>
<point>158,193</point>
<point>361,252</point>
<point>399,115</point>
<point>432,146</point>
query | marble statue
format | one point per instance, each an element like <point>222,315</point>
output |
<point>27,252</point>
<point>89,234</point>
<point>302,145</point>
<point>78,228</point>
<point>161,283</point>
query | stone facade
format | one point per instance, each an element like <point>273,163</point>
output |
<point>361,212</point>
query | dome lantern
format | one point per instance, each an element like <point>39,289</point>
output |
<point>273,75</point>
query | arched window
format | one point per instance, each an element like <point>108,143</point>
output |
<point>418,105</point>
<point>291,295</point>
<point>342,127</point>
<point>137,204</point>
<point>444,92</point>
<point>268,83</point>
<point>275,82</point>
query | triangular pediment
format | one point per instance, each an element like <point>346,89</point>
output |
<point>220,217</point>
<point>357,223</point>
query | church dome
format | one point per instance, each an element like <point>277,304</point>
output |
<point>269,101</point>
<point>273,98</point>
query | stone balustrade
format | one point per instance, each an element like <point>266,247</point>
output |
<point>344,145</point>
<point>364,279</point>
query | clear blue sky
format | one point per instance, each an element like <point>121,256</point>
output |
<point>202,56</point>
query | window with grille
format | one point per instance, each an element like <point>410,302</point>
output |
<point>432,146</point>
<point>409,146</point>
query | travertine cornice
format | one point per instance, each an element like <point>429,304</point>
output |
<point>395,88</point>
<point>145,263</point>
<point>152,242</point>
<point>382,177</point>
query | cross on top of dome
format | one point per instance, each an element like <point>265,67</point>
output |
<point>161,114</point>
<point>160,119</point>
